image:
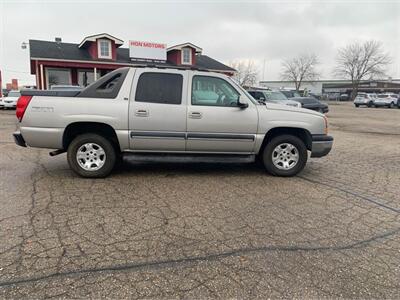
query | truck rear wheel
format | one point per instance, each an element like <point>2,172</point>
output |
<point>285,155</point>
<point>91,155</point>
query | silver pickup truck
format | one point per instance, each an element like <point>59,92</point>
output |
<point>152,113</point>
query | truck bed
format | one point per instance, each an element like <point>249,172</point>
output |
<point>31,92</point>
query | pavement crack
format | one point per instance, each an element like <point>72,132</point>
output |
<point>210,257</point>
<point>375,201</point>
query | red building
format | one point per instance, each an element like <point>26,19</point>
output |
<point>81,64</point>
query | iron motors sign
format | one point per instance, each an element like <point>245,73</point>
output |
<point>147,50</point>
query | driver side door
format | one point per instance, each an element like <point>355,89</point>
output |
<point>215,123</point>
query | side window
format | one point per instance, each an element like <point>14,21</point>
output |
<point>159,88</point>
<point>213,91</point>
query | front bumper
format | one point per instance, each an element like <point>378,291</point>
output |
<point>9,105</point>
<point>321,145</point>
<point>18,139</point>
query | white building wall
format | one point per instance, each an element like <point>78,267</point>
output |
<point>312,86</point>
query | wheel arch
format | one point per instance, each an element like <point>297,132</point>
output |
<point>78,128</point>
<point>301,133</point>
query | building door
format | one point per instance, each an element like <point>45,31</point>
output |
<point>215,123</point>
<point>157,113</point>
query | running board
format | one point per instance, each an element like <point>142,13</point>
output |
<point>189,158</point>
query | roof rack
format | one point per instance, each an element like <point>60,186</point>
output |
<point>151,65</point>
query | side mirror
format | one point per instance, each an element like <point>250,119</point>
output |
<point>241,103</point>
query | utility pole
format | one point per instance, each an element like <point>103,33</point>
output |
<point>263,75</point>
<point>1,86</point>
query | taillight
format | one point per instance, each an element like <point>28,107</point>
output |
<point>22,104</point>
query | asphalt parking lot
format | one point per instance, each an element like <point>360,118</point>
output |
<point>207,231</point>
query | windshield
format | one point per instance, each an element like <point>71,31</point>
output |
<point>275,96</point>
<point>14,94</point>
<point>383,96</point>
<point>291,94</point>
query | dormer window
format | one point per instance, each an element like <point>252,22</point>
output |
<point>104,48</point>
<point>186,56</point>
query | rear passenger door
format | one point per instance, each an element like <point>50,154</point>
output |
<point>157,111</point>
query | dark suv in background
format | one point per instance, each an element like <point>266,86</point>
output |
<point>312,103</point>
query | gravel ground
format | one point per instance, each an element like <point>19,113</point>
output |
<point>207,230</point>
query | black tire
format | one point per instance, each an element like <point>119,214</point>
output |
<point>369,104</point>
<point>109,158</point>
<point>276,141</point>
<point>356,105</point>
<point>391,105</point>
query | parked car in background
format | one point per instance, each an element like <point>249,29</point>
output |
<point>312,103</point>
<point>290,94</point>
<point>364,99</point>
<point>272,96</point>
<point>387,99</point>
<point>344,97</point>
<point>318,97</point>
<point>11,100</point>
<point>66,88</point>
<point>333,96</point>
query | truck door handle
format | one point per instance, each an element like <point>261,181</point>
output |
<point>142,113</point>
<point>195,115</point>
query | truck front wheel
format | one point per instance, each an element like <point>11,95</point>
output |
<point>285,155</point>
<point>91,155</point>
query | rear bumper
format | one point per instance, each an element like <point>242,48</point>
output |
<point>321,145</point>
<point>381,104</point>
<point>18,139</point>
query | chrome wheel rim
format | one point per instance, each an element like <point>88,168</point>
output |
<point>91,157</point>
<point>285,156</point>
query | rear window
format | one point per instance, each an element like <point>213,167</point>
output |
<point>159,88</point>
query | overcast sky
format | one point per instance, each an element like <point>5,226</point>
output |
<point>261,31</point>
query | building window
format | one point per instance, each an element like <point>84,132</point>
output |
<point>86,77</point>
<point>162,88</point>
<point>186,56</point>
<point>104,49</point>
<point>58,77</point>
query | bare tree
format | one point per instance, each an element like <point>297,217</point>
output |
<point>300,68</point>
<point>358,61</point>
<point>246,73</point>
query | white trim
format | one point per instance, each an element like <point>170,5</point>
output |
<point>93,38</point>
<point>41,77</point>
<point>182,56</point>
<point>180,46</point>
<point>99,49</point>
<point>58,69</point>
<point>37,77</point>
<point>95,74</point>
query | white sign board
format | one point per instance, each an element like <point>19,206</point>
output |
<point>147,50</point>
